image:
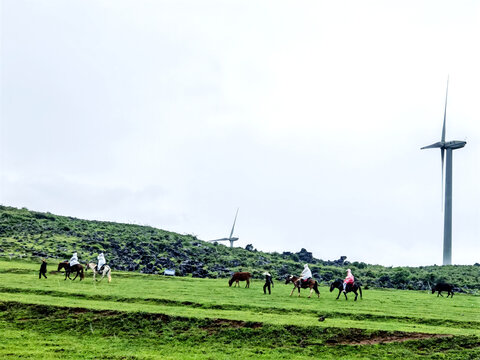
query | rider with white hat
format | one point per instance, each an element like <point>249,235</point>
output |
<point>306,273</point>
<point>74,260</point>
<point>101,261</point>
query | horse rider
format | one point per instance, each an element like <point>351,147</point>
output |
<point>268,282</point>
<point>305,275</point>
<point>73,260</point>
<point>101,262</point>
<point>349,280</point>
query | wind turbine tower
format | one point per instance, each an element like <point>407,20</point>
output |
<point>447,146</point>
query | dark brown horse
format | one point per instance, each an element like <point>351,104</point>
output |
<point>297,284</point>
<point>70,269</point>
<point>338,284</point>
<point>443,287</point>
<point>240,276</point>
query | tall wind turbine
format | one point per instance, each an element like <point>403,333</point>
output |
<point>448,146</point>
<point>231,238</point>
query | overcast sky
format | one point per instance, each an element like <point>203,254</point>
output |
<point>308,116</point>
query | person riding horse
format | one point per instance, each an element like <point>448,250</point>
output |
<point>349,280</point>
<point>74,260</point>
<point>305,276</point>
<point>101,262</point>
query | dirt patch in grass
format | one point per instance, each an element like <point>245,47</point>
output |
<point>236,323</point>
<point>359,337</point>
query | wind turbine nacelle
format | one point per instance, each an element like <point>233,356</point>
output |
<point>454,144</point>
<point>225,239</point>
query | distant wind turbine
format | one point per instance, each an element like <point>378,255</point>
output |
<point>449,146</point>
<point>231,238</point>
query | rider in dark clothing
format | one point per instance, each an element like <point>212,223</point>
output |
<point>268,282</point>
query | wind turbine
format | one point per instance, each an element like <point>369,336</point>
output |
<point>231,238</point>
<point>447,146</point>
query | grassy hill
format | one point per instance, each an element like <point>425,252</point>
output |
<point>140,316</point>
<point>32,235</point>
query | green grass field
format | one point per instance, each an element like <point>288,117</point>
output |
<point>154,317</point>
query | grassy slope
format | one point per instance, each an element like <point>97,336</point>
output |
<point>30,234</point>
<point>131,304</point>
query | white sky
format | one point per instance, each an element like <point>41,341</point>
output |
<point>309,116</point>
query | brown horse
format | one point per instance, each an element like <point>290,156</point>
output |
<point>240,276</point>
<point>298,284</point>
<point>70,269</point>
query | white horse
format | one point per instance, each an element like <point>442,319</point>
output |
<point>106,271</point>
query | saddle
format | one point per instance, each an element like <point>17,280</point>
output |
<point>304,283</point>
<point>350,286</point>
<point>101,268</point>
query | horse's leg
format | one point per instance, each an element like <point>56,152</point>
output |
<point>356,295</point>
<point>298,291</point>
<point>339,292</point>
<point>291,293</point>
<point>345,293</point>
<point>311,292</point>
<point>78,272</point>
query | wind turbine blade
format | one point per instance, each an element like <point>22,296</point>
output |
<point>445,114</point>
<point>233,227</point>
<point>436,145</point>
<point>443,157</point>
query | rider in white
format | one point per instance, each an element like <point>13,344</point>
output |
<point>306,273</point>
<point>101,261</point>
<point>74,260</point>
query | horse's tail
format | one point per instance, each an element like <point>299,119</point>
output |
<point>315,287</point>
<point>82,275</point>
<point>360,291</point>
<point>109,275</point>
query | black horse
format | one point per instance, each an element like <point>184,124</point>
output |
<point>338,284</point>
<point>443,287</point>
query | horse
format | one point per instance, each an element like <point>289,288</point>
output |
<point>443,287</point>
<point>338,284</point>
<point>69,269</point>
<point>240,276</point>
<point>106,271</point>
<point>312,284</point>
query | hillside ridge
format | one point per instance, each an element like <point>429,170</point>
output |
<point>130,247</point>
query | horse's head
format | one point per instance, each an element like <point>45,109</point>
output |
<point>230,282</point>
<point>61,266</point>
<point>87,266</point>
<point>335,285</point>
<point>434,288</point>
<point>288,279</point>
